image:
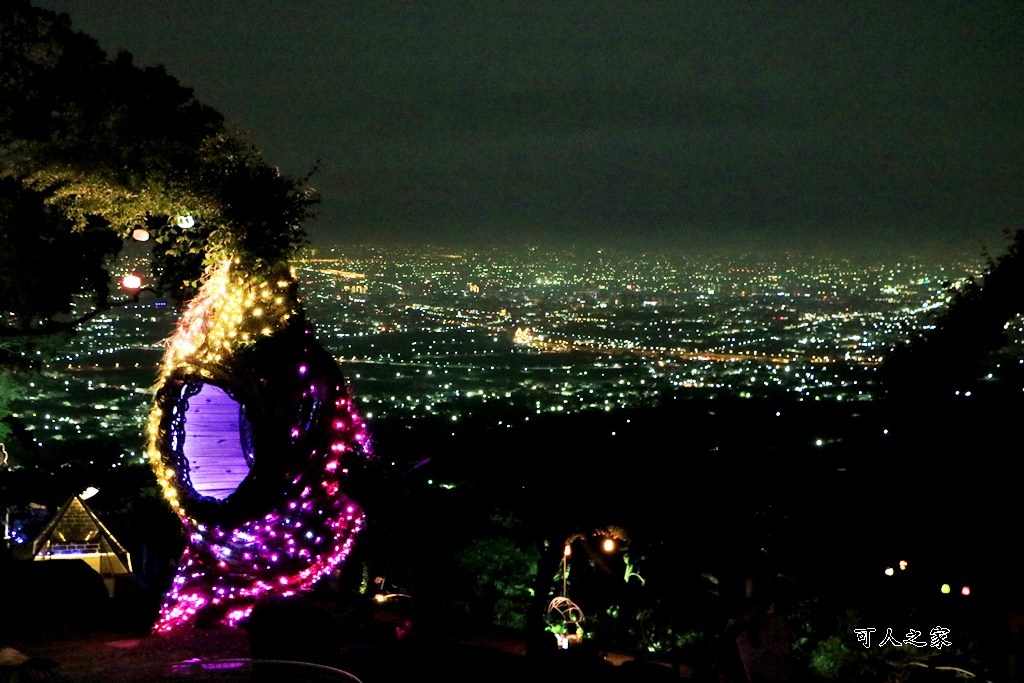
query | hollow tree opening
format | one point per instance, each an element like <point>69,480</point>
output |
<point>215,440</point>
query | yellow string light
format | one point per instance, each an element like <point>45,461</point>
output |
<point>221,318</point>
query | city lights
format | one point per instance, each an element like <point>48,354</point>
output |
<point>442,330</point>
<point>511,349</point>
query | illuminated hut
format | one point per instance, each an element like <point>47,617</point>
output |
<point>76,533</point>
<point>251,436</point>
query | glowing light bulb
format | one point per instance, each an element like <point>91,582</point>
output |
<point>567,551</point>
<point>140,235</point>
<point>889,571</point>
<point>966,590</point>
<point>131,281</point>
<point>903,564</point>
<point>608,545</point>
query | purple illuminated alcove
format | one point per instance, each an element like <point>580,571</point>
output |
<point>214,433</point>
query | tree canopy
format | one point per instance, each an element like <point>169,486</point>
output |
<point>973,325</point>
<point>92,148</point>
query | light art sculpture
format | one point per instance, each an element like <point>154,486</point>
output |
<point>252,436</point>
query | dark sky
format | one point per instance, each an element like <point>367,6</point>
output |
<point>805,126</point>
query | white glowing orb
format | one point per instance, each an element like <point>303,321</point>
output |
<point>186,222</point>
<point>140,235</point>
<point>132,281</point>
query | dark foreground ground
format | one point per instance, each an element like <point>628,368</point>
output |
<point>130,658</point>
<point>837,496</point>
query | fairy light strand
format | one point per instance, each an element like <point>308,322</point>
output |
<point>227,566</point>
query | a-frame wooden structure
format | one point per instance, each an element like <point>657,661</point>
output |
<point>76,533</point>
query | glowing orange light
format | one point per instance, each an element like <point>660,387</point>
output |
<point>568,551</point>
<point>903,564</point>
<point>132,281</point>
<point>608,545</point>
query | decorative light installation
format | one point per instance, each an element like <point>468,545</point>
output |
<point>131,281</point>
<point>252,436</point>
<point>185,222</point>
<point>565,620</point>
<point>564,617</point>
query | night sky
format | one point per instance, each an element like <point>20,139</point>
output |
<point>813,126</point>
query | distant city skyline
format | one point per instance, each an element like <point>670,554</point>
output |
<point>431,334</point>
<point>822,127</point>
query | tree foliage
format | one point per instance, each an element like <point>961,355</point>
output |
<point>43,259</point>
<point>970,327</point>
<point>92,148</point>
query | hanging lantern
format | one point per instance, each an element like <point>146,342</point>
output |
<point>131,281</point>
<point>140,235</point>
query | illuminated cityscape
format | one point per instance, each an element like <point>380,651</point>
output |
<point>425,333</point>
<point>639,341</point>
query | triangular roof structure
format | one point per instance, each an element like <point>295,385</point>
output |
<point>76,533</point>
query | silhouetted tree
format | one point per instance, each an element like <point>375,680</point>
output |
<point>972,326</point>
<point>44,262</point>
<point>92,148</point>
